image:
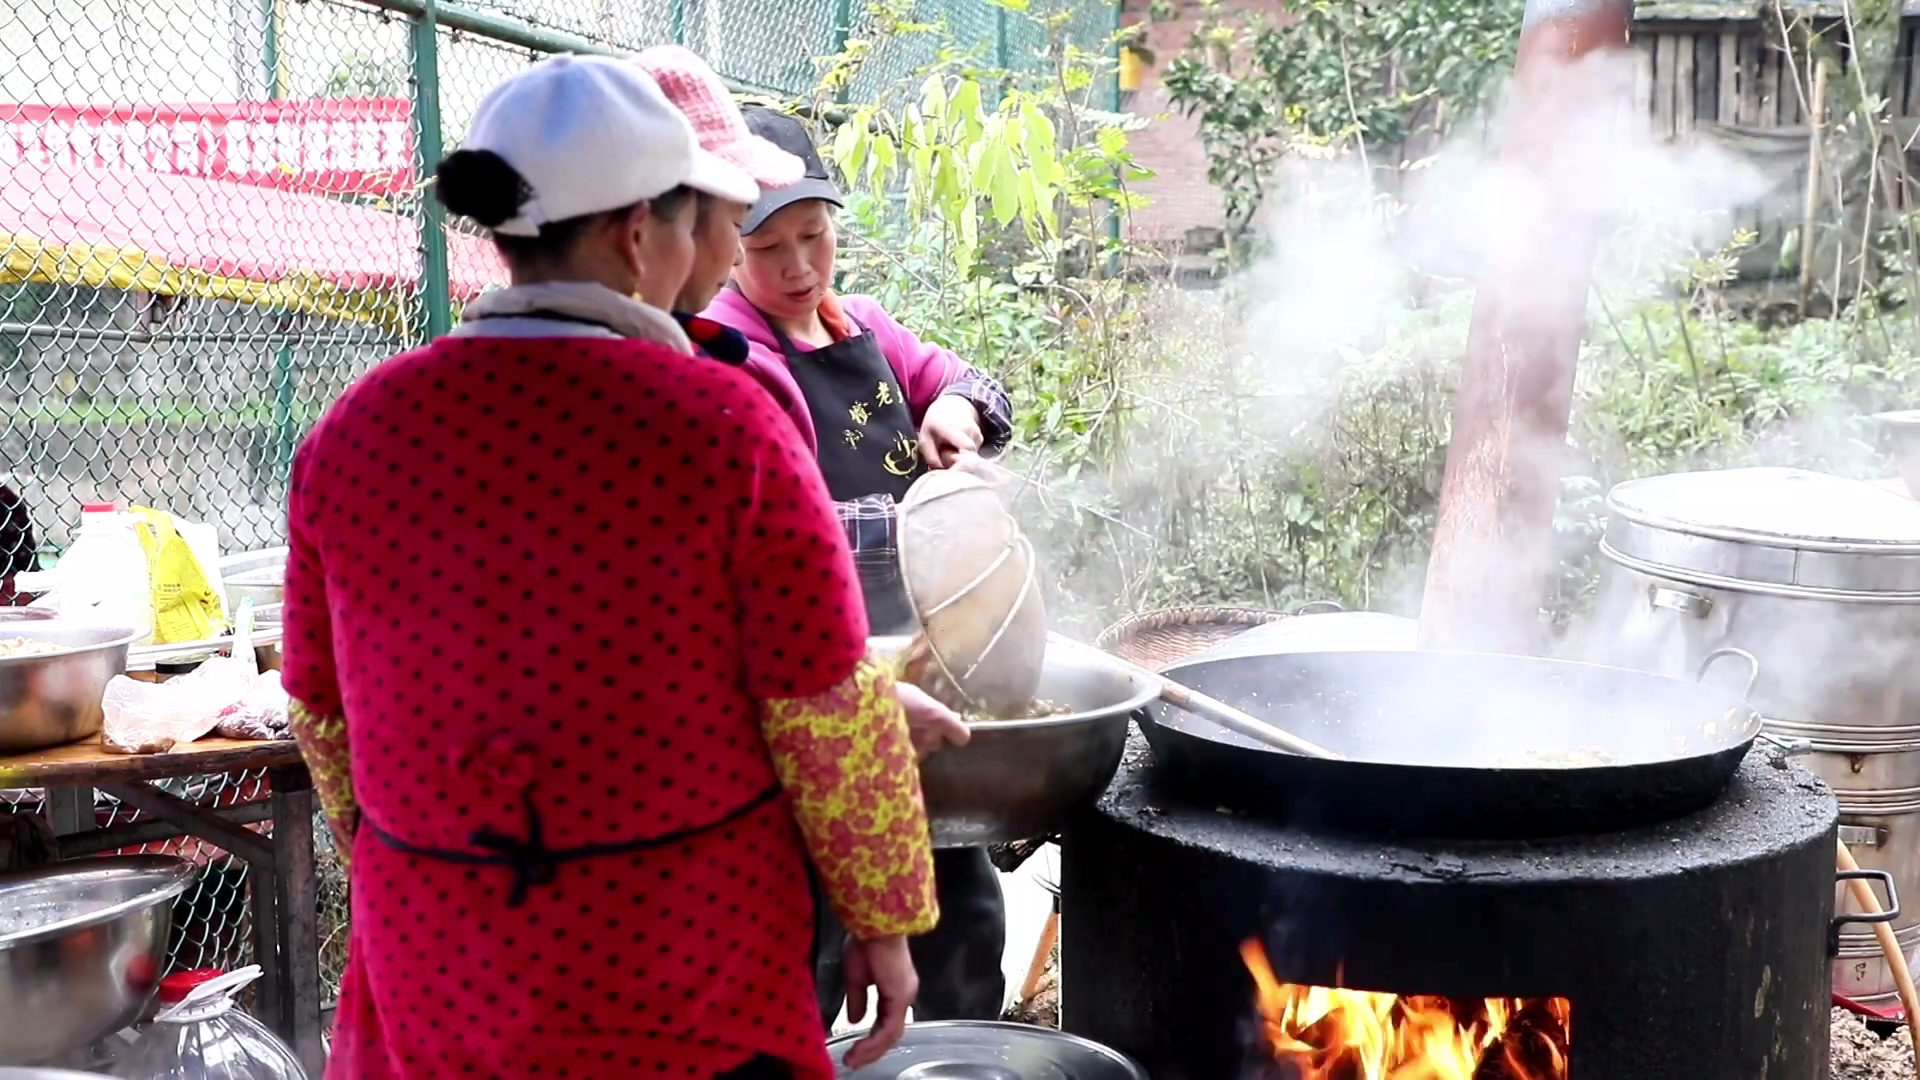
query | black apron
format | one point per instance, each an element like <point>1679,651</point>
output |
<point>868,444</point>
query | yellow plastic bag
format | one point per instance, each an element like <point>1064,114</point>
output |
<point>186,607</point>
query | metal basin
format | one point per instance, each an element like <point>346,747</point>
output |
<point>81,948</point>
<point>1018,779</point>
<point>54,699</point>
<point>259,575</point>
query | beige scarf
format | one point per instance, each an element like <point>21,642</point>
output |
<point>528,310</point>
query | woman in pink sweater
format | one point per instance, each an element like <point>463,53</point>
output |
<point>878,407</point>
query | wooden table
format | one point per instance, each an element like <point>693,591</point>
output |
<point>285,905</point>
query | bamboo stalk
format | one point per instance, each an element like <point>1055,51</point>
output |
<point>1816,115</point>
<point>1883,933</point>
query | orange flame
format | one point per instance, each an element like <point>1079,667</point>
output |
<point>1333,1034</point>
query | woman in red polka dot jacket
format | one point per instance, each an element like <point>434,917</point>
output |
<point>578,654</point>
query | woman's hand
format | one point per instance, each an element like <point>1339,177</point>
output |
<point>950,428</point>
<point>931,724</point>
<point>884,964</point>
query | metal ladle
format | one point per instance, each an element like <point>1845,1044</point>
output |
<point>1212,709</point>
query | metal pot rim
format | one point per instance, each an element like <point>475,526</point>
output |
<point>180,874</point>
<point>33,627</point>
<point>1144,691</point>
<point>1735,534</point>
<point>1688,576</point>
<point>1025,1031</point>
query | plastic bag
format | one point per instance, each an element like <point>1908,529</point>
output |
<point>153,718</point>
<point>186,606</point>
<point>261,714</point>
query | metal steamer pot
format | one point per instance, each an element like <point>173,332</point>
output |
<point>1818,577</point>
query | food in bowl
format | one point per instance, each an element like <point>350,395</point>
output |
<point>1037,709</point>
<point>19,646</point>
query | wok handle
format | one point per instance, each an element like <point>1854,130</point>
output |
<point>1685,603</point>
<point>1234,720</point>
<point>1753,666</point>
<point>1890,913</point>
<point>1330,605</point>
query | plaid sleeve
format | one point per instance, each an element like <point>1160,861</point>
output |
<point>868,522</point>
<point>996,412</point>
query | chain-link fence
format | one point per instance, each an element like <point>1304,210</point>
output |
<point>211,221</point>
<point>210,217</point>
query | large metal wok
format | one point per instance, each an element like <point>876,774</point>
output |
<point>1468,745</point>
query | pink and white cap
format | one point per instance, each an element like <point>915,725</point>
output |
<point>697,90</point>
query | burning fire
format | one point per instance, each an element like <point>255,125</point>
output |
<point>1331,1034</point>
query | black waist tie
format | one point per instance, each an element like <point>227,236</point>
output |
<point>532,862</point>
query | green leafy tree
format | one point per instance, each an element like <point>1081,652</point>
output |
<point>1338,74</point>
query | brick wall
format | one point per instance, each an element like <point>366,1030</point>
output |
<point>1179,196</point>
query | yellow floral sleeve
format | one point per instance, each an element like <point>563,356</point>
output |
<point>323,743</point>
<point>847,760</point>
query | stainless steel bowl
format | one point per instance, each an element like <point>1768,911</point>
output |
<point>261,575</point>
<point>1017,779</point>
<point>53,699</point>
<point>81,949</point>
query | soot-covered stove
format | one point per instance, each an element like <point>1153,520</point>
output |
<point>1217,946</point>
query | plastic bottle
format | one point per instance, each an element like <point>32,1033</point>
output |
<point>102,579</point>
<point>199,1034</point>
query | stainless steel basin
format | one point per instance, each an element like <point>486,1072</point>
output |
<point>1017,779</point>
<point>53,699</point>
<point>259,575</point>
<point>81,949</point>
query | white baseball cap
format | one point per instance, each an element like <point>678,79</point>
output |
<point>590,134</point>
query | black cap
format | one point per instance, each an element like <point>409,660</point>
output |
<point>790,135</point>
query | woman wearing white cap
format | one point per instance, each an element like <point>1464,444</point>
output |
<point>578,655</point>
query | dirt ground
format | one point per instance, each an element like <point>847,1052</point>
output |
<point>1859,1054</point>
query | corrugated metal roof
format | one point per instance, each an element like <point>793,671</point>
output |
<point>1723,10</point>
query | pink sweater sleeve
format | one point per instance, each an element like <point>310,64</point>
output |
<point>924,369</point>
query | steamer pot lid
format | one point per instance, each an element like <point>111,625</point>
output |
<point>986,1050</point>
<point>1773,526</point>
<point>1794,507</point>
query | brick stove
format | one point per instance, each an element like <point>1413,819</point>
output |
<point>1690,950</point>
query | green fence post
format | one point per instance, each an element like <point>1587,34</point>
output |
<point>842,30</point>
<point>272,15</point>
<point>270,50</point>
<point>677,22</point>
<point>1001,54</point>
<point>435,289</point>
<point>283,439</point>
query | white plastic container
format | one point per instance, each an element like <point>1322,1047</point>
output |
<point>102,579</point>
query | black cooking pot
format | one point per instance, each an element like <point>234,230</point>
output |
<point>1467,745</point>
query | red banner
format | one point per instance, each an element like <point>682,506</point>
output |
<point>335,146</point>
